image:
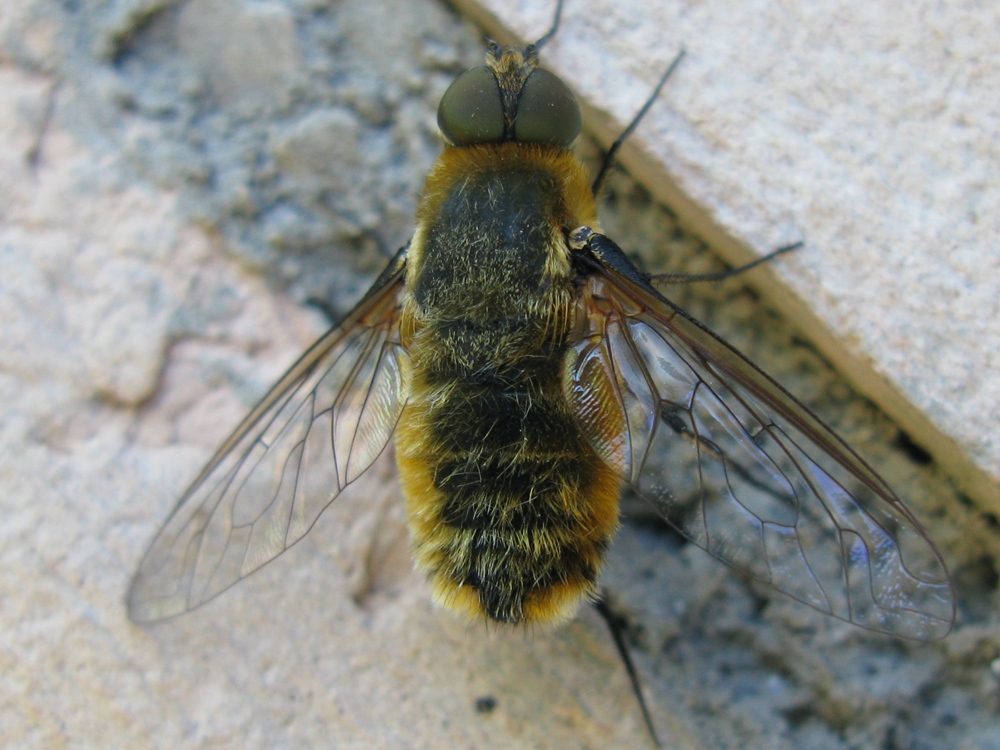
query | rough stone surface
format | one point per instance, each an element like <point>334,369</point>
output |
<point>169,204</point>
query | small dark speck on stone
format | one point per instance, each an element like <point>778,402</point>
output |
<point>486,704</point>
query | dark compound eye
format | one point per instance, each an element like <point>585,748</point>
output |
<point>471,111</point>
<point>547,111</point>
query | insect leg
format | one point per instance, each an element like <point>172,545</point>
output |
<point>616,626</point>
<point>609,157</point>
<point>685,278</point>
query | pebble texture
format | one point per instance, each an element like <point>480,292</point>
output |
<point>178,182</point>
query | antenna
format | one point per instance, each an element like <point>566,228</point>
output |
<point>555,27</point>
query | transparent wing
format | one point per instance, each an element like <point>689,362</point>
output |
<point>745,471</point>
<point>320,427</point>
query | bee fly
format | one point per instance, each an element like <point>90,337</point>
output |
<point>531,374</point>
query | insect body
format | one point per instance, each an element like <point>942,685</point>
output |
<point>529,373</point>
<point>510,507</point>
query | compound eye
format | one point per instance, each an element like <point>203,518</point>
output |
<point>470,111</point>
<point>547,111</point>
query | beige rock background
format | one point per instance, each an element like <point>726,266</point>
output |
<point>178,180</point>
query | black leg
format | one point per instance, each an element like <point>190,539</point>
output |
<point>616,624</point>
